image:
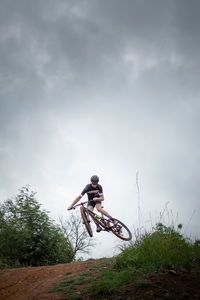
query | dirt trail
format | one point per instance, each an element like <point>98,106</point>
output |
<point>34,283</point>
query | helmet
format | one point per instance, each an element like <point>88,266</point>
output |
<point>94,179</point>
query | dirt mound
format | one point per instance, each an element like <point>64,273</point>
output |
<point>169,285</point>
<point>34,283</point>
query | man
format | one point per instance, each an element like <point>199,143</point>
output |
<point>95,195</point>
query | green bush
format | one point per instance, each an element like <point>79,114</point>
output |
<point>165,248</point>
<point>28,237</point>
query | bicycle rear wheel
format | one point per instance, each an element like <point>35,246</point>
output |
<point>86,222</point>
<point>121,230</point>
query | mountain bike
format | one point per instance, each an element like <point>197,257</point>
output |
<point>115,226</point>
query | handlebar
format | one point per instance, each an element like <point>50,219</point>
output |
<point>82,203</point>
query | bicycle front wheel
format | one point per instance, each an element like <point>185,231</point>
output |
<point>86,222</point>
<point>121,230</point>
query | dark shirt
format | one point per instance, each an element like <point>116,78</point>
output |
<point>92,192</point>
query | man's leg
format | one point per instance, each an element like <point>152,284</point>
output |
<point>101,210</point>
<point>91,208</point>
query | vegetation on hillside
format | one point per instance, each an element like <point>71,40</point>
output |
<point>28,237</point>
<point>165,249</point>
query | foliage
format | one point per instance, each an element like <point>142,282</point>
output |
<point>69,284</point>
<point>28,237</point>
<point>164,248</point>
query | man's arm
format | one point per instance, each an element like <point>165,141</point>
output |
<point>99,194</point>
<point>74,202</point>
<point>98,199</point>
<point>79,197</point>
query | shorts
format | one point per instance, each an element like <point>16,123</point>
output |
<point>93,203</point>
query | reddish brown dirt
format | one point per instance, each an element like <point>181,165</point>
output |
<point>34,283</point>
<point>169,285</point>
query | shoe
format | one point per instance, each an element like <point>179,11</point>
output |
<point>98,228</point>
<point>113,221</point>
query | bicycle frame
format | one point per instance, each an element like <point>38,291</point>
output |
<point>96,217</point>
<point>115,226</point>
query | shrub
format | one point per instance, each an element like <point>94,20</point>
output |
<point>28,237</point>
<point>164,248</point>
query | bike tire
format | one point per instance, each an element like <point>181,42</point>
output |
<point>125,233</point>
<point>87,224</point>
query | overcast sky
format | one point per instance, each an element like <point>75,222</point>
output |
<point>104,87</point>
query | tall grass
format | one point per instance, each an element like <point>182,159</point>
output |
<point>164,248</point>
